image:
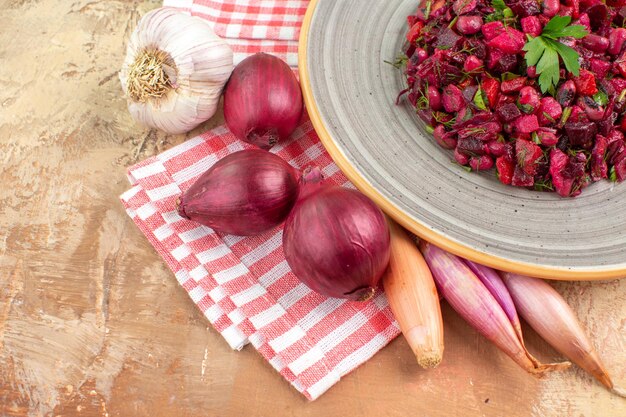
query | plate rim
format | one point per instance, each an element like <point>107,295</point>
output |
<point>419,229</point>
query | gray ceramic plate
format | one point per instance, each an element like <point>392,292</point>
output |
<point>384,149</point>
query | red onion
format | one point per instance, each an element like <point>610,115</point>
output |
<point>336,240</point>
<point>262,101</point>
<point>245,193</point>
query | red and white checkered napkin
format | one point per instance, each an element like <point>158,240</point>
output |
<point>243,285</point>
<point>251,26</point>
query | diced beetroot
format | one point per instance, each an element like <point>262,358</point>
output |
<point>586,83</point>
<point>566,93</point>
<point>506,168</point>
<point>599,68</point>
<point>528,155</point>
<point>615,136</point>
<point>460,157</point>
<point>582,20</point>
<point>511,41</point>
<point>492,29</point>
<point>575,5</point>
<point>622,124</point>
<point>482,163</point>
<point>619,85</point>
<point>593,110</point>
<point>447,39</point>
<point>551,7</point>
<point>595,43</point>
<point>446,140</point>
<point>550,111</point>
<point>464,6</point>
<point>620,169</point>
<point>414,32</point>
<point>528,99</point>
<point>496,148</point>
<point>547,136</point>
<point>469,25</point>
<point>598,14</point>
<point>469,92</point>
<point>599,168</point>
<point>617,37</point>
<point>472,63</point>
<point>523,8</point>
<point>470,146</point>
<point>452,99</point>
<point>521,178</point>
<point>531,72</point>
<point>491,87</point>
<point>504,99</point>
<point>514,85</point>
<point>434,98</point>
<point>508,112</point>
<point>614,151</point>
<point>620,65</point>
<point>526,123</point>
<point>581,134</point>
<point>577,115</point>
<point>565,11</point>
<point>484,132</point>
<point>558,163</point>
<point>531,25</point>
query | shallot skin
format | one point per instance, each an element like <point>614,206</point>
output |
<point>262,101</point>
<point>337,242</point>
<point>246,193</point>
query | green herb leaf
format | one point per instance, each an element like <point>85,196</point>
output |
<point>498,4</point>
<point>544,51</point>
<point>480,99</point>
<point>548,69</point>
<point>568,55</point>
<point>613,174</point>
<point>555,26</point>
<point>506,76</point>
<point>534,50</point>
<point>575,31</point>
<point>601,98</point>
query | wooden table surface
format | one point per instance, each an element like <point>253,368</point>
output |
<point>92,323</point>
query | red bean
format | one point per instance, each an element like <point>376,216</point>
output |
<point>469,25</point>
<point>596,43</point>
<point>617,37</point>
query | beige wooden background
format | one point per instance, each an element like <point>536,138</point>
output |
<point>92,323</point>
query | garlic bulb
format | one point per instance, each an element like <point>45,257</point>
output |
<point>174,71</point>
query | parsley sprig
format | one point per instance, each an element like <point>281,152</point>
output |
<point>544,51</point>
<point>501,12</point>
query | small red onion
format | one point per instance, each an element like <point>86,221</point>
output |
<point>245,193</point>
<point>262,101</point>
<point>336,240</point>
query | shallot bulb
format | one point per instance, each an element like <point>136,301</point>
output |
<point>246,193</point>
<point>262,101</point>
<point>336,240</point>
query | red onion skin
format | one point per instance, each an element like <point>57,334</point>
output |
<point>245,193</point>
<point>262,101</point>
<point>336,240</point>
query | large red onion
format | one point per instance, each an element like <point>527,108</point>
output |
<point>336,240</point>
<point>245,193</point>
<point>262,100</point>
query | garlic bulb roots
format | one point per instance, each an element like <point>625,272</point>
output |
<point>174,71</point>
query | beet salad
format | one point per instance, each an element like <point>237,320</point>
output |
<point>533,89</point>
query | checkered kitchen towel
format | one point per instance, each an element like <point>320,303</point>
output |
<point>243,285</point>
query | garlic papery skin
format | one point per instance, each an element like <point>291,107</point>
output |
<point>174,71</point>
